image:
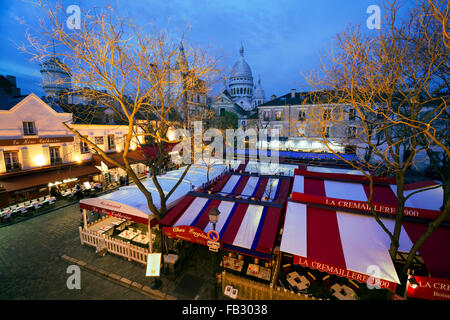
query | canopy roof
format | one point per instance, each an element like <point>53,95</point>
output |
<point>131,203</point>
<point>244,227</point>
<point>352,192</point>
<point>340,243</point>
<point>249,186</point>
<point>348,244</point>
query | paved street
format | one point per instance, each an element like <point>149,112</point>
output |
<point>31,266</point>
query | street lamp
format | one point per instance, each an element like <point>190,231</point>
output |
<point>214,218</point>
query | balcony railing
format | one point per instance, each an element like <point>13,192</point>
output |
<point>13,167</point>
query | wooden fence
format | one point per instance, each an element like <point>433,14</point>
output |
<point>114,246</point>
<point>252,290</point>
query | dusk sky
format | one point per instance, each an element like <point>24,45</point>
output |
<point>282,38</point>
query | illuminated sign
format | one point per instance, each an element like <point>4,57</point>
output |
<point>153,265</point>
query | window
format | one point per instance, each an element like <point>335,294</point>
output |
<point>266,115</point>
<point>55,157</point>
<point>84,147</point>
<point>351,132</point>
<point>98,140</point>
<point>351,114</point>
<point>278,115</point>
<point>301,115</point>
<point>111,143</point>
<point>11,160</point>
<point>327,114</point>
<point>29,128</point>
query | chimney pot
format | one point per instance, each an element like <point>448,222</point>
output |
<point>292,93</point>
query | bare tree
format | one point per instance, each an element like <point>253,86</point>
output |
<point>143,77</point>
<point>396,83</point>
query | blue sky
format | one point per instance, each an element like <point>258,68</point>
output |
<point>282,38</point>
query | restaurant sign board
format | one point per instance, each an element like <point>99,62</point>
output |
<point>188,233</point>
<point>27,141</point>
<point>363,206</point>
<point>153,265</point>
<point>343,272</point>
<point>429,288</point>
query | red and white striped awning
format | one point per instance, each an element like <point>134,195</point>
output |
<point>350,191</point>
<point>249,186</point>
<point>243,227</point>
<point>355,246</point>
<point>344,244</point>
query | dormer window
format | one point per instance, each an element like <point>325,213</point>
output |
<point>29,128</point>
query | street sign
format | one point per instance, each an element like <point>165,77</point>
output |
<point>213,245</point>
<point>214,249</point>
<point>213,235</point>
<point>153,265</point>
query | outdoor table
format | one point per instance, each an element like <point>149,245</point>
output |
<point>253,270</point>
<point>171,259</point>
<point>298,281</point>
<point>142,239</point>
<point>264,273</point>
<point>233,264</point>
<point>128,234</point>
<point>343,292</point>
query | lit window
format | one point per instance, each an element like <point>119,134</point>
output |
<point>11,160</point>
<point>55,157</point>
<point>111,142</point>
<point>278,115</point>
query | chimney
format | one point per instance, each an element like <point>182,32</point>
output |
<point>292,93</point>
<point>272,97</point>
<point>12,79</point>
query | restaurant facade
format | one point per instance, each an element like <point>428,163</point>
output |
<point>37,151</point>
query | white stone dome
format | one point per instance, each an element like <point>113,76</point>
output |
<point>241,79</point>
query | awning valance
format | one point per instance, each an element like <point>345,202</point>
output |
<point>344,244</point>
<point>117,209</point>
<point>354,193</point>
<point>243,227</point>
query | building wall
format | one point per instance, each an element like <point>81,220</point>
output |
<point>48,124</point>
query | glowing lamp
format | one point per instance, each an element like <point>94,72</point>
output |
<point>39,160</point>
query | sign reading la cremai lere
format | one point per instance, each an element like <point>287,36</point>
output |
<point>430,288</point>
<point>21,142</point>
<point>363,206</point>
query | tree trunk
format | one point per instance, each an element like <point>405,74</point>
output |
<point>432,226</point>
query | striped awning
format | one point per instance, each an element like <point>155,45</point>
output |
<point>344,244</point>
<point>249,186</point>
<point>244,227</point>
<point>355,246</point>
<point>352,192</point>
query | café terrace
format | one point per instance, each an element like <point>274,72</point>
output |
<point>297,228</point>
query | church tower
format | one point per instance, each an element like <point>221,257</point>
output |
<point>241,82</point>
